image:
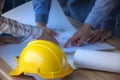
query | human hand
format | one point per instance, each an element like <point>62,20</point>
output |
<point>99,35</point>
<point>41,24</point>
<point>80,36</point>
<point>47,35</point>
<point>7,40</point>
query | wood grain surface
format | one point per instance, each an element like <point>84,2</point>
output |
<point>4,72</point>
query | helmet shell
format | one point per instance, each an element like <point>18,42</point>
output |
<point>43,58</point>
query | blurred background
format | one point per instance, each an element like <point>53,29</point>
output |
<point>9,4</point>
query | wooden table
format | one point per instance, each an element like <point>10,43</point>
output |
<point>4,73</point>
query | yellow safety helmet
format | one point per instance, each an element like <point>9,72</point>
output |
<point>43,58</point>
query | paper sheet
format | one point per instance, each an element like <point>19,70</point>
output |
<point>65,29</point>
<point>98,60</point>
<point>96,46</point>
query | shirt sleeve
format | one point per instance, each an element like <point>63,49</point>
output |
<point>100,10</point>
<point>41,8</point>
<point>17,30</point>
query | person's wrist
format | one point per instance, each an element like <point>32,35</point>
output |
<point>37,32</point>
<point>87,26</point>
<point>41,24</point>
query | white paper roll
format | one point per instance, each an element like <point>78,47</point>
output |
<point>98,60</point>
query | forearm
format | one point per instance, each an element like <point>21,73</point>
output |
<point>17,29</point>
<point>41,8</point>
<point>13,27</point>
<point>101,10</point>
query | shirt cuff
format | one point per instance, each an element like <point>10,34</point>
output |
<point>108,23</point>
<point>36,32</point>
<point>41,18</point>
<point>92,20</point>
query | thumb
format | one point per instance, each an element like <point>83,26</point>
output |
<point>53,33</point>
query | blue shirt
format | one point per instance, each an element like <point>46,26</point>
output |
<point>100,12</point>
<point>92,12</point>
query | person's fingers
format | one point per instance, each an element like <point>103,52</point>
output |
<point>74,43</point>
<point>75,37</point>
<point>96,36</point>
<point>7,39</point>
<point>95,39</point>
<point>91,38</point>
<point>11,40</point>
<point>105,34</point>
<point>104,37</point>
<point>2,43</point>
<point>55,41</point>
<point>93,34</point>
<point>53,33</point>
<point>81,40</point>
<point>49,38</point>
<point>68,42</point>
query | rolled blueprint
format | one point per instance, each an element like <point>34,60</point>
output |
<point>98,60</point>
